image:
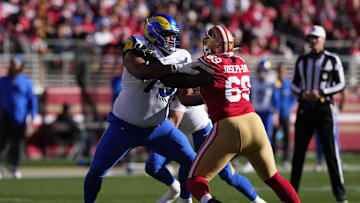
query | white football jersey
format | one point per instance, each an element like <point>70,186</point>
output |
<point>144,103</point>
<point>195,117</point>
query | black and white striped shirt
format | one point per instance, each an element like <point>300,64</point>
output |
<point>322,71</point>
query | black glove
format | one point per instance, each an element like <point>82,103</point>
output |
<point>146,52</point>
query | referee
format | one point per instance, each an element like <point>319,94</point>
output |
<point>318,75</point>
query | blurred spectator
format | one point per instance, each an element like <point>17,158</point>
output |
<point>112,22</point>
<point>18,106</point>
<point>67,132</point>
<point>116,85</point>
<point>63,133</point>
<point>85,62</point>
<point>283,102</point>
<point>38,45</point>
<point>355,50</point>
<point>261,95</point>
<point>15,40</point>
<point>104,36</point>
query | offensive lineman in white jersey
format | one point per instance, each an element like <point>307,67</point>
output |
<point>139,116</point>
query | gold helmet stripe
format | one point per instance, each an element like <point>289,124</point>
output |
<point>225,38</point>
<point>228,37</point>
<point>161,20</point>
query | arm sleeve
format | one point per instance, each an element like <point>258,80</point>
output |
<point>296,82</point>
<point>338,83</point>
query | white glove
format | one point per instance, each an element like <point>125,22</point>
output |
<point>187,68</point>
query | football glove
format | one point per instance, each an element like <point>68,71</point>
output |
<point>147,52</point>
<point>184,68</point>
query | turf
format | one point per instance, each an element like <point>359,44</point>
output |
<point>142,189</point>
<point>314,188</point>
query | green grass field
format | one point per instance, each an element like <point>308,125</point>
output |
<point>314,188</point>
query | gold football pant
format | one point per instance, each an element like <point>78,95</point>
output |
<point>233,136</point>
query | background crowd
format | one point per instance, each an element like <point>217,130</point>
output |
<point>261,27</point>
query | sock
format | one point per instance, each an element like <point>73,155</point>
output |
<point>92,187</point>
<point>184,192</point>
<point>175,185</point>
<point>283,189</point>
<point>198,187</point>
<point>241,183</point>
<point>205,198</point>
<point>160,173</point>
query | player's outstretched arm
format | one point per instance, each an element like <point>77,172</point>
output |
<point>143,70</point>
<point>182,80</point>
<point>189,97</point>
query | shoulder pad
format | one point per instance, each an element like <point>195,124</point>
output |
<point>129,45</point>
<point>132,42</point>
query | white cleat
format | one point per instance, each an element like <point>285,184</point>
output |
<point>286,166</point>
<point>181,200</point>
<point>171,194</point>
<point>1,173</point>
<point>16,174</point>
<point>320,168</point>
<point>248,168</point>
<point>258,200</point>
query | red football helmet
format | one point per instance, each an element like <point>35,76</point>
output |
<point>218,40</point>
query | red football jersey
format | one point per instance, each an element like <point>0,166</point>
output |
<point>230,94</point>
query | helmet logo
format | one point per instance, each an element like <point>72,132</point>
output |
<point>219,40</point>
<point>157,27</point>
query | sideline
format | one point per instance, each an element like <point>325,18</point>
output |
<point>80,171</point>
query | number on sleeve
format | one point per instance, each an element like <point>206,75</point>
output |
<point>213,59</point>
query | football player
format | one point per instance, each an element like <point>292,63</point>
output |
<point>224,82</point>
<point>194,122</point>
<point>262,88</point>
<point>139,112</point>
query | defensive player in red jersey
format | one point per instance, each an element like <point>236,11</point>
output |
<point>224,82</point>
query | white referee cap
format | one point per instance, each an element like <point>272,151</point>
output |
<point>317,31</point>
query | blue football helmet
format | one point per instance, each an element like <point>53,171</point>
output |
<point>264,65</point>
<point>157,27</point>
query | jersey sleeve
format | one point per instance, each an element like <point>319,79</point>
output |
<point>187,56</point>
<point>138,47</point>
<point>206,64</point>
<point>129,44</point>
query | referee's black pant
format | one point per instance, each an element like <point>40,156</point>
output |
<point>319,116</point>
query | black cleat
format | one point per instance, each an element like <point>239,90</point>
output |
<point>213,200</point>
